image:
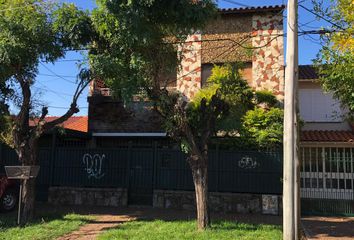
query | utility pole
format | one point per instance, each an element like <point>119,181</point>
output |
<point>291,206</point>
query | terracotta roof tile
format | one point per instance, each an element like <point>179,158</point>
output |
<point>307,72</point>
<point>252,9</point>
<point>76,123</point>
<point>327,136</point>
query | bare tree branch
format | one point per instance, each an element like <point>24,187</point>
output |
<point>47,126</point>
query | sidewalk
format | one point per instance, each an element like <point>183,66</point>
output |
<point>329,227</point>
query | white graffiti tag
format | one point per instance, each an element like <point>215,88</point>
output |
<point>247,163</point>
<point>93,165</point>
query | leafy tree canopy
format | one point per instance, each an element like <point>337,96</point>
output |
<point>335,61</point>
<point>136,42</point>
<point>34,31</point>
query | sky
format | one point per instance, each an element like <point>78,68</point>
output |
<point>55,83</point>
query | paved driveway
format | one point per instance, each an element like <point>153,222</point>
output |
<point>329,227</point>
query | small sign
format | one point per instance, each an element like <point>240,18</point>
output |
<point>21,172</point>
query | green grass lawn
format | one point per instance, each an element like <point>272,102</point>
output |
<point>158,229</point>
<point>49,227</point>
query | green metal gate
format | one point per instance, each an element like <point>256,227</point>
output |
<point>140,190</point>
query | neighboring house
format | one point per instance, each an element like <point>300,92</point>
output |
<point>327,149</point>
<point>74,123</point>
<point>71,133</point>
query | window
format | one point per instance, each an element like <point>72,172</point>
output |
<point>207,70</point>
<point>316,106</point>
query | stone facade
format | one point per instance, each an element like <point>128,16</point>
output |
<point>112,197</point>
<point>189,77</point>
<point>221,36</point>
<point>218,202</point>
<point>268,57</point>
<point>220,42</point>
<point>110,115</point>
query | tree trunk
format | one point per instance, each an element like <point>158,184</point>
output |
<point>28,157</point>
<point>28,200</point>
<point>200,178</point>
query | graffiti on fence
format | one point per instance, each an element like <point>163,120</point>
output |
<point>247,163</point>
<point>93,165</point>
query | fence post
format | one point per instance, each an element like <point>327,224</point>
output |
<point>52,160</point>
<point>128,164</point>
<point>1,159</point>
<point>154,173</point>
<point>217,166</point>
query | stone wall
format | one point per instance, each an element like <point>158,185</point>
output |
<point>112,197</point>
<point>268,57</point>
<point>219,202</point>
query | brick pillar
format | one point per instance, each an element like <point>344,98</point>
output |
<point>268,61</point>
<point>189,78</point>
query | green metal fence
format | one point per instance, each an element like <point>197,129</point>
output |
<point>141,170</point>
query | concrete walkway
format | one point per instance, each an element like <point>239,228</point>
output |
<point>339,228</point>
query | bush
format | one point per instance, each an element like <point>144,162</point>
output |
<point>266,97</point>
<point>265,127</point>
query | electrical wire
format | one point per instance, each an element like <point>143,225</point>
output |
<point>318,15</point>
<point>57,75</point>
<point>236,3</point>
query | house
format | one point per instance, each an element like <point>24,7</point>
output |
<point>133,162</point>
<point>127,156</point>
<point>326,139</point>
<point>257,27</point>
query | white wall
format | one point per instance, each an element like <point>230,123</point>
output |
<point>317,106</point>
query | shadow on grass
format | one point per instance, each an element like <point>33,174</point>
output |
<point>9,220</point>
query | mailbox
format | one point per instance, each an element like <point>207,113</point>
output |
<point>21,173</point>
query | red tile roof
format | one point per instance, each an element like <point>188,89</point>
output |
<point>327,136</point>
<point>76,123</point>
<point>252,9</point>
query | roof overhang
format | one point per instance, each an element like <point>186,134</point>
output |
<point>275,8</point>
<point>326,144</point>
<point>127,134</point>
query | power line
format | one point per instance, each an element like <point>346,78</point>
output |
<point>68,60</point>
<point>57,74</point>
<point>318,15</point>
<point>62,107</point>
<point>236,3</point>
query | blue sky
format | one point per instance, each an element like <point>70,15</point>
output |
<point>56,83</point>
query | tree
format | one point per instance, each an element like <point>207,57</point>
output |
<point>4,107</point>
<point>136,47</point>
<point>335,61</point>
<point>219,106</point>
<point>33,31</point>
